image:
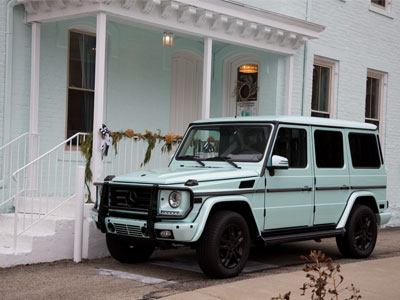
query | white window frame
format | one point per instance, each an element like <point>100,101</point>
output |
<point>382,10</point>
<point>382,77</point>
<point>333,65</point>
<point>385,7</point>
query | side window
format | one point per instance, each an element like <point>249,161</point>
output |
<point>364,150</point>
<point>329,149</point>
<point>81,72</point>
<point>292,144</point>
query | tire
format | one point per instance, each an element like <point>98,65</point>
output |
<point>127,252</point>
<point>224,246</point>
<point>361,233</point>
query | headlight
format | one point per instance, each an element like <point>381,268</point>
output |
<point>175,199</point>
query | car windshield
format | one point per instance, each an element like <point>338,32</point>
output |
<point>244,143</point>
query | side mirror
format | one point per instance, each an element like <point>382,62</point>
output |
<point>278,162</point>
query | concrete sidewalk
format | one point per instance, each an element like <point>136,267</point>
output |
<point>377,280</point>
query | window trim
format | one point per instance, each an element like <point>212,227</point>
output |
<point>68,87</point>
<point>333,65</point>
<point>385,7</point>
<point>382,77</point>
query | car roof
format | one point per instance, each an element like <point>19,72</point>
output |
<point>299,120</point>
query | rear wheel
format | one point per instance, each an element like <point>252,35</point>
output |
<point>126,251</point>
<point>361,233</point>
<point>224,247</point>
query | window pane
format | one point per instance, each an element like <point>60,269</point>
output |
<point>364,150</point>
<point>320,115</point>
<point>328,149</point>
<point>372,98</point>
<point>82,60</point>
<point>379,2</point>
<point>292,144</point>
<point>80,112</point>
<point>320,90</point>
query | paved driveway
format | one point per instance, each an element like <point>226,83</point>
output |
<point>167,272</point>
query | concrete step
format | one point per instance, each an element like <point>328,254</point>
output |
<point>49,240</point>
<point>41,205</point>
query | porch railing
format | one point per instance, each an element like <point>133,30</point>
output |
<point>13,156</point>
<point>45,185</point>
<point>130,156</point>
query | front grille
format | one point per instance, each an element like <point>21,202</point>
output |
<point>134,197</point>
<point>130,230</point>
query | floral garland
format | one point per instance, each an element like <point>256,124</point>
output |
<point>169,140</point>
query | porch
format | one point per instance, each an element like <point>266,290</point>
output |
<point>134,82</point>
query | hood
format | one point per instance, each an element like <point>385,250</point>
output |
<point>181,175</point>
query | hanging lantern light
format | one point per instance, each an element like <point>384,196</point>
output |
<point>249,68</point>
<point>168,39</point>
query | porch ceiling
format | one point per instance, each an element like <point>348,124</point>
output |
<point>221,20</point>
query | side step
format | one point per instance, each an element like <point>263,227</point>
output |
<point>302,236</point>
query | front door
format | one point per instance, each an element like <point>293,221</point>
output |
<point>186,79</point>
<point>289,198</point>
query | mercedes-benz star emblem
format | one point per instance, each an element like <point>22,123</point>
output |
<point>131,199</point>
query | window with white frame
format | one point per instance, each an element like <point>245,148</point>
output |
<point>323,97</point>
<point>380,3</point>
<point>81,74</point>
<point>374,97</point>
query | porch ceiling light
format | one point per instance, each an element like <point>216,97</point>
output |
<point>250,68</point>
<point>168,39</point>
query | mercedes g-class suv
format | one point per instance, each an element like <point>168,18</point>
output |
<point>234,182</point>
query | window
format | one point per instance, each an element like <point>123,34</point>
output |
<point>328,149</point>
<point>292,144</point>
<point>379,3</point>
<point>364,150</point>
<point>246,90</point>
<point>374,97</point>
<point>81,73</point>
<point>323,88</point>
<point>242,143</point>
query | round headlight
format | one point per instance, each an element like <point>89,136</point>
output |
<point>175,199</point>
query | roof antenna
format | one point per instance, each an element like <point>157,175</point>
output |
<point>235,116</point>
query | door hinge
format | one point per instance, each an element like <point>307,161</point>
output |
<point>265,212</point>
<point>265,181</point>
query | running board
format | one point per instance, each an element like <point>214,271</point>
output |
<point>303,236</point>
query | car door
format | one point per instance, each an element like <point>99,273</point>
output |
<point>332,185</point>
<point>289,198</point>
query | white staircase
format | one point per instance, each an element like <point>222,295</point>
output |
<point>49,240</point>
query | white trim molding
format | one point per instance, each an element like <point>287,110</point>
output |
<point>219,20</point>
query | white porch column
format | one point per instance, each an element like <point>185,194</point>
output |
<point>99,90</point>
<point>207,70</point>
<point>34,92</point>
<point>289,84</point>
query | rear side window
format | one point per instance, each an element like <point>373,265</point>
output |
<point>292,144</point>
<point>364,150</point>
<point>329,149</point>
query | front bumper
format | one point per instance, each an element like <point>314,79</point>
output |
<point>181,232</point>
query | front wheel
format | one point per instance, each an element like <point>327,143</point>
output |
<point>126,251</point>
<point>361,233</point>
<point>224,247</point>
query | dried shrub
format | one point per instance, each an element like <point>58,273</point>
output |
<point>324,279</point>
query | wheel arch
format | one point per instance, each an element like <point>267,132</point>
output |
<point>363,198</point>
<point>239,204</point>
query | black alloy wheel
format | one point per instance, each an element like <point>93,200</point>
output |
<point>231,246</point>
<point>361,233</point>
<point>224,246</point>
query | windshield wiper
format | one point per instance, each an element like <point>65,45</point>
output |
<point>227,159</point>
<point>195,158</point>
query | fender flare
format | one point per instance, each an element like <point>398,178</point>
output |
<point>349,206</point>
<point>208,206</point>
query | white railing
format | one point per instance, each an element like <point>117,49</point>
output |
<point>13,156</point>
<point>45,185</point>
<point>130,156</point>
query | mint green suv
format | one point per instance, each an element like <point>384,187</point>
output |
<point>236,182</point>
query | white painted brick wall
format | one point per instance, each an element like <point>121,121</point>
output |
<point>359,39</point>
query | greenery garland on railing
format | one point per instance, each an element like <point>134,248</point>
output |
<point>86,147</point>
